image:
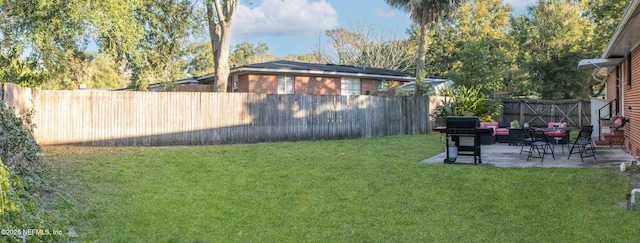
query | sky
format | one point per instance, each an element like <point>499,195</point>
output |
<point>298,26</point>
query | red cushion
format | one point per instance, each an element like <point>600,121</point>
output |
<point>494,125</point>
<point>557,133</point>
<point>562,125</point>
<point>502,132</point>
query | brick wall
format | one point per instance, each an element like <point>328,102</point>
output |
<point>631,107</point>
<point>370,85</point>
<point>268,84</point>
<point>262,83</point>
<point>317,85</point>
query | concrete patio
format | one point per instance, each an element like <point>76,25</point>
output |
<point>503,155</point>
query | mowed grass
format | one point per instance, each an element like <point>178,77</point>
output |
<point>362,190</point>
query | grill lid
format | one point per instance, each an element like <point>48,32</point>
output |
<point>469,122</point>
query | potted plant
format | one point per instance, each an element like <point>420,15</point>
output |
<point>515,124</point>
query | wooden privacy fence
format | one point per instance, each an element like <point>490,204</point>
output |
<point>124,118</point>
<point>576,112</point>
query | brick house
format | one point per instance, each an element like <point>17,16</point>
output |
<point>288,77</point>
<point>621,61</point>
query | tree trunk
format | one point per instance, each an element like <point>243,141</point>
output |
<point>222,62</point>
<point>422,53</point>
<point>220,21</point>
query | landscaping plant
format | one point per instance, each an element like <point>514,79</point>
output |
<point>24,217</point>
<point>465,101</point>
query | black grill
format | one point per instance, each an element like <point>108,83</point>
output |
<point>467,128</point>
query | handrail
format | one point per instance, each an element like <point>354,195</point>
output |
<point>608,105</point>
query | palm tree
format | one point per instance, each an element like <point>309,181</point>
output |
<point>426,14</point>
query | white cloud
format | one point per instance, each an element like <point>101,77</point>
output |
<point>285,17</point>
<point>520,4</point>
<point>385,13</point>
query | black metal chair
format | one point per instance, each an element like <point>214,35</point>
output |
<point>541,145</point>
<point>584,144</point>
<point>527,140</point>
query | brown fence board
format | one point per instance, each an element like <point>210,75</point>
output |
<point>576,112</point>
<point>127,118</point>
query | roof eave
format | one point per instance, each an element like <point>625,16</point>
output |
<point>621,28</point>
<point>242,70</point>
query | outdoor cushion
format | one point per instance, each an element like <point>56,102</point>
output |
<point>557,133</point>
<point>496,129</point>
<point>489,124</point>
<point>502,131</point>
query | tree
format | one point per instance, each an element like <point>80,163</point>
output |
<point>554,37</point>
<point>604,16</point>
<point>167,26</point>
<point>363,45</point>
<point>144,39</point>
<point>246,53</point>
<point>200,60</point>
<point>426,14</point>
<point>105,73</point>
<point>54,31</point>
<point>482,46</point>
<point>21,72</point>
<point>483,62</point>
<point>220,18</point>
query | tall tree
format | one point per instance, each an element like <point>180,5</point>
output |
<point>54,31</point>
<point>484,47</point>
<point>426,14</point>
<point>604,16</point>
<point>554,37</point>
<point>167,26</point>
<point>363,45</point>
<point>220,15</point>
<point>145,38</point>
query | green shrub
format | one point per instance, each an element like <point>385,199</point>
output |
<point>24,216</point>
<point>465,101</point>
<point>18,149</point>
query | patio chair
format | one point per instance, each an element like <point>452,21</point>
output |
<point>527,140</point>
<point>540,146</point>
<point>584,144</point>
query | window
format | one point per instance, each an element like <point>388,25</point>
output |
<point>381,85</point>
<point>350,86</point>
<point>234,84</point>
<point>285,84</point>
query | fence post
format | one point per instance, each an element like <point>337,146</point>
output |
<point>580,113</point>
<point>521,112</point>
<point>428,118</point>
<point>405,115</point>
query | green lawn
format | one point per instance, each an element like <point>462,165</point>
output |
<point>362,190</point>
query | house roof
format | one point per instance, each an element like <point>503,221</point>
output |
<point>290,67</point>
<point>627,35</point>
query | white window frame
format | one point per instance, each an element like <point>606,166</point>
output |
<point>350,86</point>
<point>234,83</point>
<point>285,84</point>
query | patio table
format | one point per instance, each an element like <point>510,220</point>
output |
<point>557,139</point>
